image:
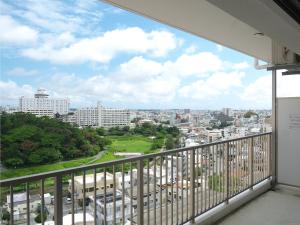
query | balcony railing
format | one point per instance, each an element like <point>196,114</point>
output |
<point>170,187</point>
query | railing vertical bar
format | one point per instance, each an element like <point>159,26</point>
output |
<point>270,154</point>
<point>182,172</point>
<point>252,163</point>
<point>166,187</point>
<point>236,146</point>
<point>192,184</point>
<point>140,192</point>
<point>11,205</point>
<point>123,195</point>
<point>43,202</point>
<point>72,198</point>
<point>236,168</point>
<point>148,193</point>
<point>160,189</point>
<point>206,180</point>
<point>217,174</point>
<point>197,179</point>
<point>265,155</point>
<point>95,197</point>
<point>172,192</point>
<point>131,194</point>
<point>27,204</point>
<point>202,174</point>
<point>154,194</point>
<point>84,196</point>
<point>177,194</point>
<point>212,176</point>
<point>261,158</point>
<point>209,174</point>
<point>105,208</point>
<point>224,156</point>
<point>221,174</point>
<point>248,162</point>
<point>58,206</point>
<point>187,185</point>
<point>227,171</point>
<point>114,194</point>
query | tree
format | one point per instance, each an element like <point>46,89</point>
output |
<point>41,216</point>
<point>170,144</point>
<point>5,215</point>
<point>249,114</point>
<point>27,140</point>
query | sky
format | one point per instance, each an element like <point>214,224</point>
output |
<point>89,51</point>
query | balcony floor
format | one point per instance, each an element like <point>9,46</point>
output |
<point>279,207</point>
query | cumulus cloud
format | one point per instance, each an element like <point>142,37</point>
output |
<point>288,86</point>
<point>104,47</point>
<point>14,33</point>
<point>142,80</point>
<point>10,90</point>
<point>241,66</point>
<point>219,48</point>
<point>57,16</point>
<point>217,84</point>
<point>259,91</point>
<point>21,72</point>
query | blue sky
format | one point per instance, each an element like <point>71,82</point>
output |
<point>89,51</point>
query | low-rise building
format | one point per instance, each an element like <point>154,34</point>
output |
<point>111,206</point>
<point>89,185</point>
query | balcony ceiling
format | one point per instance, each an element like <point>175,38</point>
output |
<point>235,24</point>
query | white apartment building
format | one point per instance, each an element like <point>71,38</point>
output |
<point>107,203</point>
<point>115,117</point>
<point>89,185</point>
<point>42,105</point>
<point>99,117</point>
<point>88,117</point>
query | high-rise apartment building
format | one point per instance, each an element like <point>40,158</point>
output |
<point>42,105</point>
<point>99,117</point>
<point>228,111</point>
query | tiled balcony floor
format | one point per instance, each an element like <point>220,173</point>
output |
<point>279,207</point>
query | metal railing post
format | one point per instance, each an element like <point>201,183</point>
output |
<point>227,172</point>
<point>270,155</point>
<point>58,204</point>
<point>140,192</point>
<point>251,164</point>
<point>192,184</point>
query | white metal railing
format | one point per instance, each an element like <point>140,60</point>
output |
<point>170,187</point>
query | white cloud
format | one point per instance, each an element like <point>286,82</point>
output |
<point>58,16</point>
<point>191,49</point>
<point>217,84</point>
<point>12,91</point>
<point>14,33</point>
<point>288,86</point>
<point>20,71</point>
<point>103,48</point>
<point>241,66</point>
<point>259,92</point>
<point>219,48</point>
<point>196,64</point>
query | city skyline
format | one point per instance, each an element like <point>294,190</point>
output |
<point>101,53</point>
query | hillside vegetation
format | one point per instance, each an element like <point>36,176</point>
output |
<point>27,140</point>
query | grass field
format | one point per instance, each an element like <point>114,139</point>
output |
<point>131,144</point>
<point>119,144</point>
<point>9,173</point>
<point>135,143</point>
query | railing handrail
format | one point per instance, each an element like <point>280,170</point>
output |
<point>45,175</point>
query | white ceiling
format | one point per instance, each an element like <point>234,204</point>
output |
<point>228,23</point>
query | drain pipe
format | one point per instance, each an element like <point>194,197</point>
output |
<point>261,67</point>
